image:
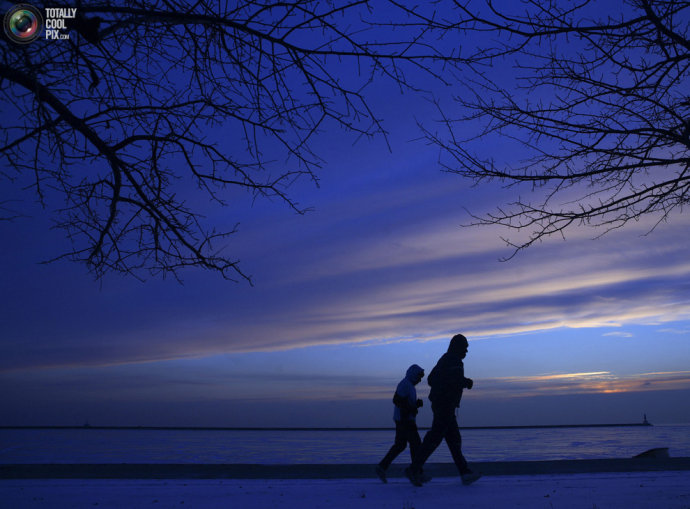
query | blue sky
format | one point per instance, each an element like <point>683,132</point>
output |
<point>379,275</point>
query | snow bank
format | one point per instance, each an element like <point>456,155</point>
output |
<point>641,490</point>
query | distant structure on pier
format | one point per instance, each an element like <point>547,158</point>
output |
<point>645,422</point>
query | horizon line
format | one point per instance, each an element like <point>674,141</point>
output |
<point>314,428</point>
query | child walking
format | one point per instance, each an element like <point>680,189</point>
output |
<point>405,417</point>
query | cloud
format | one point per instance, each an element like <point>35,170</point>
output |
<point>602,382</point>
<point>538,292</point>
<point>675,331</point>
<point>365,276</point>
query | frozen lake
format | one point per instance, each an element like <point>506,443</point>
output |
<point>89,445</point>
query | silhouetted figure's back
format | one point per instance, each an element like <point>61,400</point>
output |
<point>447,379</point>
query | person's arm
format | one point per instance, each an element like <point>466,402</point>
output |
<point>465,383</point>
<point>402,401</point>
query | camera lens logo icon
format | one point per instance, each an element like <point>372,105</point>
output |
<point>23,23</point>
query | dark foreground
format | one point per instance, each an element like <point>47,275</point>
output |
<point>344,471</point>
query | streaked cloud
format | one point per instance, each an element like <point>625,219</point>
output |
<point>675,331</point>
<point>582,383</point>
<point>373,269</point>
<point>542,290</point>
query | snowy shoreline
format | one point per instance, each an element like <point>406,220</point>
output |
<point>631,490</point>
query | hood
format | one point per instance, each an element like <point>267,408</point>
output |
<point>457,344</point>
<point>413,372</point>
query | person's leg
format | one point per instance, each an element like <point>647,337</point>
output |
<point>431,441</point>
<point>454,442</point>
<point>415,447</point>
<point>412,435</point>
<point>397,447</point>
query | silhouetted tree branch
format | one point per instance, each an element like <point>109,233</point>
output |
<point>600,106</point>
<point>150,101</point>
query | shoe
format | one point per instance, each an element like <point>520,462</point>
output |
<point>381,473</point>
<point>469,477</point>
<point>413,477</point>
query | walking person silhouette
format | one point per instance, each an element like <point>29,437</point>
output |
<point>447,381</point>
<point>405,416</point>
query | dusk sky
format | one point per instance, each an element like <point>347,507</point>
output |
<point>378,276</point>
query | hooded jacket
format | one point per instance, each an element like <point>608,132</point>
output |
<point>408,394</point>
<point>447,379</point>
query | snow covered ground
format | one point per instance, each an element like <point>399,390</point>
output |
<point>668,490</point>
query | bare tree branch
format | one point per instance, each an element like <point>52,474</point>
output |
<point>152,101</point>
<point>600,106</point>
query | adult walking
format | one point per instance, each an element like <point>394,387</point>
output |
<point>447,381</point>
